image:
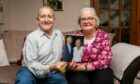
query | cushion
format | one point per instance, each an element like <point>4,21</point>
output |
<point>13,41</point>
<point>19,62</point>
<point>1,34</point>
<point>3,57</point>
<point>123,55</point>
<point>8,74</point>
<point>111,36</point>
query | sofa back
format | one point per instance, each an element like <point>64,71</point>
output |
<point>13,42</point>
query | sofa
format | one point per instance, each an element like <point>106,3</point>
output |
<point>126,63</point>
<point>13,42</point>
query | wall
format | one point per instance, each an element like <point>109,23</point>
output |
<point>20,14</point>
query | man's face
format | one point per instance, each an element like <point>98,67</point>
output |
<point>45,19</point>
<point>87,21</point>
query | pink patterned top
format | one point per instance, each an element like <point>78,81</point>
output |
<point>99,54</point>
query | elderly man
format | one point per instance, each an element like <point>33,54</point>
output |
<point>42,53</point>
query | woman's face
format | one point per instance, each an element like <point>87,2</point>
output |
<point>78,43</point>
<point>87,21</point>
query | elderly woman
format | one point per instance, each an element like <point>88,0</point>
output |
<point>95,65</point>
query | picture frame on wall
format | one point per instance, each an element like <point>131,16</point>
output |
<point>56,5</point>
<point>1,13</point>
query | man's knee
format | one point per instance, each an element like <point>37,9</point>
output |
<point>25,81</point>
<point>60,79</point>
<point>24,76</point>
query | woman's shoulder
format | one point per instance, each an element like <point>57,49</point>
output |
<point>77,32</point>
<point>101,33</point>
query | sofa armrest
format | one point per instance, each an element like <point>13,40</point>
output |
<point>123,55</point>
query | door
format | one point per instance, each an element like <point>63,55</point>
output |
<point>135,22</point>
<point>114,17</point>
<point>138,22</point>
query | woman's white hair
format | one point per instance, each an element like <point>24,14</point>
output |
<point>93,12</point>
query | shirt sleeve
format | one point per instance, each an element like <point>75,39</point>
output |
<point>31,59</point>
<point>104,56</point>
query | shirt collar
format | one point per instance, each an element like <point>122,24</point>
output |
<point>41,33</point>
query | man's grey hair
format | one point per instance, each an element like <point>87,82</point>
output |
<point>93,12</point>
<point>38,13</point>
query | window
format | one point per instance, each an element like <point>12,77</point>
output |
<point>114,17</point>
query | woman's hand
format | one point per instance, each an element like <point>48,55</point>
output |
<point>80,67</point>
<point>71,65</point>
<point>74,66</point>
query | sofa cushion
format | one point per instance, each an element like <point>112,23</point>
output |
<point>111,36</point>
<point>13,41</point>
<point>3,57</point>
<point>1,34</point>
<point>8,74</point>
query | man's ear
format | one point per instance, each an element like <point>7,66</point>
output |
<point>37,20</point>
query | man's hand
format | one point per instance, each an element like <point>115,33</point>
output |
<point>63,68</point>
<point>59,66</point>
